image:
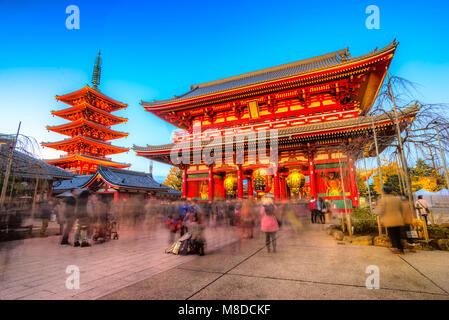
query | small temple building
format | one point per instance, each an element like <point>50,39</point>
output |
<point>89,129</point>
<point>318,109</point>
<point>118,184</point>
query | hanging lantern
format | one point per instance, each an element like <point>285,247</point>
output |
<point>295,181</point>
<point>262,180</point>
<point>230,184</point>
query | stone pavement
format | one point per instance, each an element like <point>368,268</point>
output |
<point>308,265</point>
<point>36,268</point>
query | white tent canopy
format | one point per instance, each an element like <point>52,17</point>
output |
<point>443,192</point>
<point>424,192</point>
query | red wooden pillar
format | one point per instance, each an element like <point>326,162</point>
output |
<point>211,183</point>
<point>223,188</point>
<point>184,183</point>
<point>240,183</point>
<point>283,189</point>
<point>276,182</point>
<point>116,196</point>
<point>312,178</point>
<point>353,183</point>
<point>250,187</point>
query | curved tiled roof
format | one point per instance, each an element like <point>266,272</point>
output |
<point>26,166</point>
<point>127,178</point>
<point>84,121</point>
<point>98,93</point>
<point>352,123</point>
<point>115,177</point>
<point>318,63</point>
<point>77,156</point>
<point>81,138</point>
<point>77,182</point>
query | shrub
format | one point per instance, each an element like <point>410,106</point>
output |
<point>437,232</point>
<point>363,221</point>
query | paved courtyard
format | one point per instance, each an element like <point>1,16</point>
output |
<point>308,265</point>
<point>36,268</point>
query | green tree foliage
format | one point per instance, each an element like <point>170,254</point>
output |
<point>422,176</point>
<point>394,183</point>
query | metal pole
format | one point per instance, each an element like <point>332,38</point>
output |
<point>367,185</point>
<point>344,195</point>
<point>33,207</point>
<point>401,185</point>
<point>401,149</point>
<point>379,165</point>
<point>8,169</point>
<point>442,156</point>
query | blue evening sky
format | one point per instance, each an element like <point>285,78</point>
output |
<point>156,49</point>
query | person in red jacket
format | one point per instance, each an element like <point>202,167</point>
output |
<point>313,209</point>
<point>268,223</point>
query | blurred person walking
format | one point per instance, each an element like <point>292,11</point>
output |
<point>45,210</point>
<point>196,229</point>
<point>59,211</point>
<point>82,220</point>
<point>391,212</point>
<point>269,224</point>
<point>69,216</point>
<point>174,221</point>
<point>248,219</point>
<point>322,208</point>
<point>313,208</point>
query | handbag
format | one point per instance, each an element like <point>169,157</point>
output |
<point>279,222</point>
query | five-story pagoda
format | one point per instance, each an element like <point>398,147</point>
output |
<point>89,129</point>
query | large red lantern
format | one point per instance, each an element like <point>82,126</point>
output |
<point>262,180</point>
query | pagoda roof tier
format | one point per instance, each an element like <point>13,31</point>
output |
<point>63,145</point>
<point>94,97</point>
<point>75,112</point>
<point>85,158</point>
<point>312,71</point>
<point>67,129</point>
<point>299,134</point>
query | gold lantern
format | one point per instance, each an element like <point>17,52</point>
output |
<point>230,184</point>
<point>295,181</point>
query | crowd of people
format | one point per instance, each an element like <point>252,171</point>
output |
<point>89,216</point>
<point>86,215</point>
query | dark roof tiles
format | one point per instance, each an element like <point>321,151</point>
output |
<point>291,69</point>
<point>26,166</point>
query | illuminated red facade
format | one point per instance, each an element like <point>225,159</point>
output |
<point>318,107</point>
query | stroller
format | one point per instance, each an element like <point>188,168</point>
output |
<point>106,229</point>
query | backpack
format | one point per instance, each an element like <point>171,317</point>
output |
<point>269,210</point>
